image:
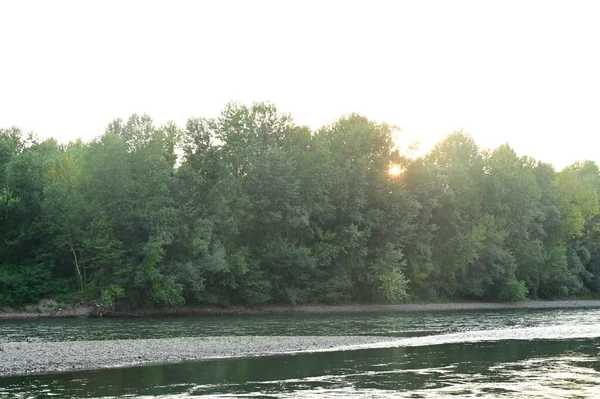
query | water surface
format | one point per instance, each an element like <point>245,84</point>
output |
<point>494,354</point>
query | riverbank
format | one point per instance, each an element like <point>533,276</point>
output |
<point>89,311</point>
<point>350,309</point>
<point>40,357</point>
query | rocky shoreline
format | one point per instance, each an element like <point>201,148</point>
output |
<point>18,358</point>
<point>48,311</point>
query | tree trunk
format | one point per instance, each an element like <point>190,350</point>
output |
<point>77,269</point>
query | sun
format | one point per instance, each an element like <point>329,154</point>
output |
<point>395,170</point>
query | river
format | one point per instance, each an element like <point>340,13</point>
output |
<point>490,354</point>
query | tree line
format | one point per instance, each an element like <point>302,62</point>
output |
<point>250,208</point>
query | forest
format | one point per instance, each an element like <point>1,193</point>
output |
<point>249,208</point>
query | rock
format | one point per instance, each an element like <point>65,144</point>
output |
<point>47,304</point>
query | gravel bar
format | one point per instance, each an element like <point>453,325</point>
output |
<point>39,357</point>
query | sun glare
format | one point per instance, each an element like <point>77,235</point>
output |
<point>395,170</point>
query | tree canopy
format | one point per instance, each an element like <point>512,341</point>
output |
<point>250,208</point>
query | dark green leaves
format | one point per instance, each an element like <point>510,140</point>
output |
<point>250,208</point>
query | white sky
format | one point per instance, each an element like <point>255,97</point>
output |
<point>523,72</point>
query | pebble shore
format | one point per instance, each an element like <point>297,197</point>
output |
<point>38,357</point>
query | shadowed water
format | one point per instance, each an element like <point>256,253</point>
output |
<point>532,354</point>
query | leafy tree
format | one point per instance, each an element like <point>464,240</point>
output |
<point>250,208</point>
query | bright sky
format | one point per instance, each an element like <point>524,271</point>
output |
<point>523,72</point>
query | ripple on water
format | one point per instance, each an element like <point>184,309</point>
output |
<point>395,325</point>
<point>529,354</point>
<point>551,377</point>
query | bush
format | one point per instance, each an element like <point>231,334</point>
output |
<point>22,285</point>
<point>514,290</point>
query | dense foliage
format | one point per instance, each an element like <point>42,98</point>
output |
<point>250,208</point>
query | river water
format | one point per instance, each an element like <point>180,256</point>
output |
<point>490,354</point>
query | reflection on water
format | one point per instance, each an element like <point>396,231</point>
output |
<point>511,361</point>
